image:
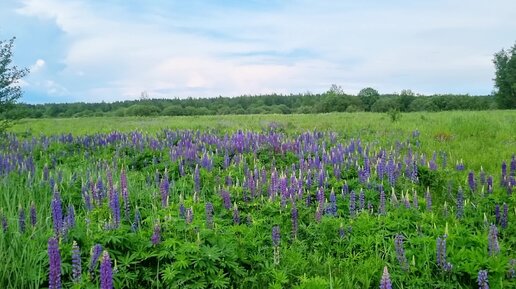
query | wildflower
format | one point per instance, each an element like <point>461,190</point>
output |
<point>385,283</point>
<point>236,215</point>
<point>483,283</point>
<point>209,215</point>
<point>164,190</point>
<point>460,203</point>
<point>226,199</point>
<point>95,254</point>
<point>275,236</point>
<point>441,254</point>
<point>106,272</point>
<point>156,236</point>
<point>57,213</point>
<point>54,275</point>
<point>400,251</point>
<point>505,215</point>
<point>428,199</point>
<point>76,263</point>
<point>493,246</point>
<point>352,203</point>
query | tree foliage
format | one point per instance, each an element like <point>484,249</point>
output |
<point>10,75</point>
<point>505,77</point>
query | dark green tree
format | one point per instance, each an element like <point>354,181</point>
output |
<point>10,90</point>
<point>505,78</point>
<point>368,96</point>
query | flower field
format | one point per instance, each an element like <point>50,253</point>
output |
<point>261,203</point>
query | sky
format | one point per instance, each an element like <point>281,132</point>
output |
<point>90,51</point>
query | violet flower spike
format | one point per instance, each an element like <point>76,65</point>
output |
<point>483,283</point>
<point>385,283</point>
<point>106,272</point>
<point>54,274</point>
<point>76,263</point>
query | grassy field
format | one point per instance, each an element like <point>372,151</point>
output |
<point>480,138</point>
<point>293,201</point>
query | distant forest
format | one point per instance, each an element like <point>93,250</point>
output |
<point>334,100</point>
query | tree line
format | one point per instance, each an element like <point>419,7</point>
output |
<point>333,100</point>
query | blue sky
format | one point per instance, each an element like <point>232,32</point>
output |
<point>85,50</point>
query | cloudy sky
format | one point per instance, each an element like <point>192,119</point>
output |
<point>85,50</point>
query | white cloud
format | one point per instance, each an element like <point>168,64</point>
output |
<point>429,47</point>
<point>37,66</point>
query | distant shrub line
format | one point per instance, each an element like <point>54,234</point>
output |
<point>262,104</point>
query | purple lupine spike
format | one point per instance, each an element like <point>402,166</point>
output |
<point>382,208</point>
<point>513,166</point>
<point>294,216</point>
<point>236,215</point>
<point>54,257</point>
<point>483,283</point>
<point>504,171</point>
<point>182,210</point>
<point>33,214</point>
<point>493,246</point>
<point>471,181</point>
<point>505,215</point>
<point>123,180</point>
<point>511,274</point>
<point>482,176</point>
<point>189,215</point>
<point>21,219</point>
<point>164,190</point>
<point>441,254</point>
<point>415,200</point>
<point>460,203</point>
<point>385,283</point>
<point>276,236</point>
<point>106,272</point>
<point>137,220</point>
<point>428,198</point>
<point>127,204</point>
<point>114,204</point>
<point>226,199</point>
<point>96,251</point>
<point>331,210</point>
<point>400,252</point>
<point>352,203</point>
<point>490,184</point>
<point>57,213</point>
<point>70,217</point>
<point>156,235</point>
<point>209,215</point>
<point>76,263</point>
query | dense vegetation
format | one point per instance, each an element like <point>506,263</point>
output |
<point>332,101</point>
<point>278,205</point>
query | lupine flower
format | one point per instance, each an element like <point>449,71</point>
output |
<point>54,257</point>
<point>57,213</point>
<point>76,263</point>
<point>275,236</point>
<point>33,216</point>
<point>189,215</point>
<point>95,254</point>
<point>21,219</point>
<point>511,274</point>
<point>415,201</point>
<point>497,213</point>
<point>70,217</point>
<point>505,215</point>
<point>490,184</point>
<point>156,236</point>
<point>400,252</point>
<point>209,215</point>
<point>294,214</point>
<point>332,208</point>
<point>483,283</point>
<point>441,254</point>
<point>471,181</point>
<point>482,176</point>
<point>164,190</point>
<point>352,203</point>
<point>428,199</point>
<point>226,199</point>
<point>137,220</point>
<point>114,204</point>
<point>493,246</point>
<point>460,203</point>
<point>236,216</point>
<point>106,272</point>
<point>385,283</point>
<point>182,210</point>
